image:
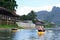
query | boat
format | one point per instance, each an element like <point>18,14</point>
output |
<point>14,29</point>
<point>41,31</point>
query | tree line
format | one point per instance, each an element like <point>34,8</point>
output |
<point>29,16</point>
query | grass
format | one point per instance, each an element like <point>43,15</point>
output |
<point>10,26</point>
<point>20,27</point>
<point>48,26</point>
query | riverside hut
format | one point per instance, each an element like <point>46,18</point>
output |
<point>7,16</point>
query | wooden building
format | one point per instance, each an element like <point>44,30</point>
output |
<point>7,16</point>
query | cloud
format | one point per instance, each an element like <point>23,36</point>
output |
<point>57,5</point>
<point>25,10</point>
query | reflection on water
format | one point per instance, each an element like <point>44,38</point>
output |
<point>5,35</point>
<point>24,34</point>
<point>32,35</point>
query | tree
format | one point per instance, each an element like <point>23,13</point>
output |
<point>9,4</point>
<point>29,16</point>
<point>32,15</point>
<point>23,17</point>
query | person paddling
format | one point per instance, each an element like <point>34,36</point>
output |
<point>41,29</point>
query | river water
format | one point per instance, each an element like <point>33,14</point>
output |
<point>31,34</point>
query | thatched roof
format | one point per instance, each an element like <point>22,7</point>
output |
<point>7,12</point>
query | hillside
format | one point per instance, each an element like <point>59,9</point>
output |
<point>52,16</point>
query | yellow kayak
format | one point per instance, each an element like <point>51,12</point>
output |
<point>41,33</point>
<point>14,30</point>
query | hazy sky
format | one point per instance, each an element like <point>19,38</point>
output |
<point>25,6</point>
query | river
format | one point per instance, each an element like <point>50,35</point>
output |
<point>30,34</point>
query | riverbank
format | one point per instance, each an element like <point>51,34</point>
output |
<point>5,26</point>
<point>9,26</point>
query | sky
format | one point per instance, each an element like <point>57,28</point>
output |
<point>25,6</point>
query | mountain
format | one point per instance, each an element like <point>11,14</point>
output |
<point>52,16</point>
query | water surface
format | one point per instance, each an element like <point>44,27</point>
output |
<point>31,34</point>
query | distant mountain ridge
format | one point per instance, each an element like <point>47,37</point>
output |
<point>52,16</point>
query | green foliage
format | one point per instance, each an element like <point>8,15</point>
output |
<point>34,21</point>
<point>20,27</point>
<point>9,4</point>
<point>23,17</point>
<point>30,16</point>
<point>48,24</point>
<point>8,26</point>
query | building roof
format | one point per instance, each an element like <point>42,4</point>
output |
<point>38,22</point>
<point>7,12</point>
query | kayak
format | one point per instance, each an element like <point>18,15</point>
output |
<point>41,33</point>
<point>14,29</point>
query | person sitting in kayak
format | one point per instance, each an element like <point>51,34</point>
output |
<point>41,29</point>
